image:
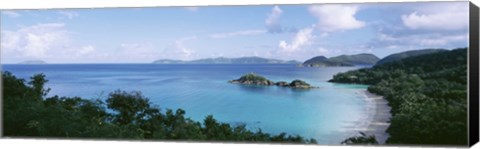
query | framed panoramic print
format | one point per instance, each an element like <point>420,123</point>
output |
<point>379,74</point>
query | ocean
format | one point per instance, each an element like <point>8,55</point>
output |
<point>329,113</point>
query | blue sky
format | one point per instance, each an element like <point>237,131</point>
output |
<point>289,32</point>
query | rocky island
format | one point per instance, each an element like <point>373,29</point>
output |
<point>254,79</point>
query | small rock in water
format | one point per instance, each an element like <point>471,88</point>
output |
<point>254,79</point>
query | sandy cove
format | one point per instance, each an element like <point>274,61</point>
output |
<point>379,115</point>
<point>376,120</point>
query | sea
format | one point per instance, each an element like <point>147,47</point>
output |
<point>329,114</point>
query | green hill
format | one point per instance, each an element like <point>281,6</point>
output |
<point>358,59</point>
<point>402,55</point>
<point>342,60</point>
<point>427,93</point>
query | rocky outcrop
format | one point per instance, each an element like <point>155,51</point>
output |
<point>254,79</point>
<point>300,84</point>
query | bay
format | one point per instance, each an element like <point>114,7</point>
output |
<point>327,113</point>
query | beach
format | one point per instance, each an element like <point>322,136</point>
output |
<point>375,119</point>
<point>379,116</point>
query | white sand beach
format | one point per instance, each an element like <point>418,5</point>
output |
<point>375,120</point>
<point>379,115</point>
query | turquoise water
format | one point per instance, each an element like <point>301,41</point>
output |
<point>327,113</point>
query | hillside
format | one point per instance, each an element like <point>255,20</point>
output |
<point>402,55</point>
<point>342,60</point>
<point>427,93</point>
<point>223,60</point>
<point>358,59</point>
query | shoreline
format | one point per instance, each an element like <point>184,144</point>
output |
<point>379,116</point>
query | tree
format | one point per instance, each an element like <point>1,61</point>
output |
<point>362,139</point>
<point>128,105</point>
<point>38,81</point>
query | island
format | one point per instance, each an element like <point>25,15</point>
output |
<point>224,60</point>
<point>341,60</point>
<point>254,79</point>
<point>33,62</point>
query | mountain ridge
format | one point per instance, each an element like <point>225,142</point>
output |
<point>224,60</point>
<point>342,60</point>
<point>407,54</point>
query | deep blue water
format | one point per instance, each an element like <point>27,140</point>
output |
<point>326,114</point>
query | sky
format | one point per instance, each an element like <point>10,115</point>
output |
<point>287,32</point>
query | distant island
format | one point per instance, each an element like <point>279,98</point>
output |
<point>33,62</point>
<point>342,60</point>
<point>224,60</point>
<point>254,79</point>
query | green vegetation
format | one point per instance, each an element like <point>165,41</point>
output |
<point>254,79</point>
<point>322,61</point>
<point>358,59</point>
<point>363,139</point>
<point>427,93</point>
<point>299,84</point>
<point>342,60</point>
<point>123,115</point>
<point>406,54</point>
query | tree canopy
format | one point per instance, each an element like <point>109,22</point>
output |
<point>427,93</point>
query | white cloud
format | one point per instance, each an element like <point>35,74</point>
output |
<point>443,16</point>
<point>421,40</point>
<point>193,9</point>
<point>322,51</point>
<point>428,25</point>
<point>441,40</point>
<point>332,17</point>
<point>272,21</point>
<point>237,33</point>
<point>302,37</point>
<point>130,46</point>
<point>273,16</point>
<point>37,40</point>
<point>85,50</point>
<point>11,14</point>
<point>133,52</point>
<point>178,50</point>
<point>69,14</point>
<point>50,42</point>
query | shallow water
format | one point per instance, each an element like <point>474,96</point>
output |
<point>326,113</point>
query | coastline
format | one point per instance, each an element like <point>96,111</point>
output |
<point>377,117</point>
